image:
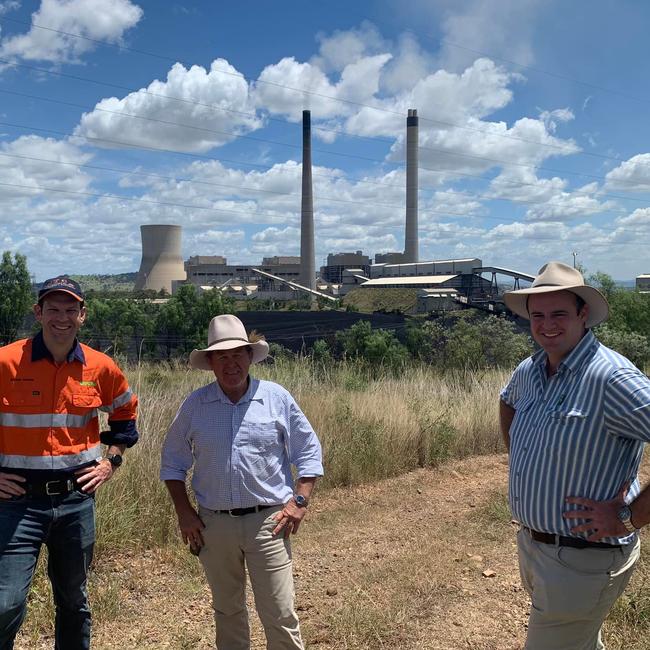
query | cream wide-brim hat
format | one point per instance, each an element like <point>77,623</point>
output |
<point>556,276</point>
<point>227,332</point>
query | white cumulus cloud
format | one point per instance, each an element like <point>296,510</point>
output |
<point>194,110</point>
<point>99,20</point>
<point>633,175</point>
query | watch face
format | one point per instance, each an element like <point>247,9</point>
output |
<point>625,514</point>
<point>300,500</point>
<point>115,459</point>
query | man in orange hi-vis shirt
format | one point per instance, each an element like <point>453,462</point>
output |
<point>51,461</point>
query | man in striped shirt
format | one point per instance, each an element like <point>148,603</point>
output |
<point>575,417</point>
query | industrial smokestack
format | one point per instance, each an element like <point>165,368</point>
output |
<point>162,260</point>
<point>411,252</point>
<point>307,253</point>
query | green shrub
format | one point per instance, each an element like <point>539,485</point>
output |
<point>630,344</point>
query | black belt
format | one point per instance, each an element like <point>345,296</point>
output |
<point>561,540</point>
<point>238,512</point>
<point>59,487</point>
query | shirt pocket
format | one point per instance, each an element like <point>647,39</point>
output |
<point>568,430</point>
<point>575,415</point>
<point>86,399</point>
<point>22,399</point>
<point>265,434</point>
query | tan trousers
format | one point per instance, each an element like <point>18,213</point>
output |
<point>572,591</point>
<point>233,544</point>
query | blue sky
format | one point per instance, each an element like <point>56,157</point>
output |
<point>534,138</point>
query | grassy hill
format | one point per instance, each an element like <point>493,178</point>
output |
<point>369,300</point>
<point>117,282</point>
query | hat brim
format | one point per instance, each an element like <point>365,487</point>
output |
<point>199,358</point>
<point>598,307</point>
<point>51,291</point>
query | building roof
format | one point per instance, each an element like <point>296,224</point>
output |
<point>406,279</point>
<point>438,292</point>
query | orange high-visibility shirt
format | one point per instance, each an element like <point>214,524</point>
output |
<point>49,413</point>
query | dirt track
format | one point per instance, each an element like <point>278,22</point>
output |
<point>424,561</point>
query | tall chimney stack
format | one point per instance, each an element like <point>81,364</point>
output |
<point>307,253</point>
<point>411,252</point>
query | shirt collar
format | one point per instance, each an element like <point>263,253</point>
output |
<point>217,394</point>
<point>40,351</point>
<point>576,358</point>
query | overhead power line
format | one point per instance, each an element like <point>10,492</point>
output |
<point>111,196</point>
<point>131,145</point>
<point>275,84</point>
<point>125,173</point>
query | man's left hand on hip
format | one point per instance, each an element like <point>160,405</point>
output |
<point>601,516</point>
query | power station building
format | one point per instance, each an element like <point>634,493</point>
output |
<point>214,271</point>
<point>441,283</point>
<point>339,262</point>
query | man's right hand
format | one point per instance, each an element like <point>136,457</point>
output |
<point>10,485</point>
<point>191,526</point>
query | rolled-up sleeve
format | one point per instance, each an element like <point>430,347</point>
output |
<point>305,451</point>
<point>176,455</point>
<point>122,411</point>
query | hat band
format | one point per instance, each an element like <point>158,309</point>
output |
<point>232,338</point>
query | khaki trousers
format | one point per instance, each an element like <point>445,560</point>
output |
<point>572,591</point>
<point>233,544</point>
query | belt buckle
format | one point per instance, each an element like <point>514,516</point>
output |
<point>231,513</point>
<point>52,493</point>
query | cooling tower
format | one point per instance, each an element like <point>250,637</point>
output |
<point>411,252</point>
<point>162,261</point>
<point>307,253</point>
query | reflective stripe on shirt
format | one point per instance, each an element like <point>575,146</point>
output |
<point>10,461</point>
<point>39,420</point>
<point>120,400</point>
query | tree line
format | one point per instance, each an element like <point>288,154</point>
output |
<point>140,327</point>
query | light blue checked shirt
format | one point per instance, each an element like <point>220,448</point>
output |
<point>242,453</point>
<point>580,432</point>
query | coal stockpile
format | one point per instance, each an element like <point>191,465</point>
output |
<point>297,330</point>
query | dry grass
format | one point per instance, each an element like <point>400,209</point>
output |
<point>388,557</point>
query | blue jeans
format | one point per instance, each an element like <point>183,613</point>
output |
<point>66,525</point>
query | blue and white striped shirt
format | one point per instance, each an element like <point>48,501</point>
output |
<point>580,432</point>
<point>242,453</point>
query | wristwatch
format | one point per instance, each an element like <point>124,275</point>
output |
<point>114,459</point>
<point>301,501</point>
<point>625,516</point>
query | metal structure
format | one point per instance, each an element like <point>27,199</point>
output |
<point>307,252</point>
<point>497,270</point>
<point>162,260</point>
<point>295,285</point>
<point>411,244</point>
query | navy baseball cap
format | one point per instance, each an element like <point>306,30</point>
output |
<point>61,283</point>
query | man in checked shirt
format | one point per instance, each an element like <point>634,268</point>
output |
<point>242,435</point>
<point>575,417</point>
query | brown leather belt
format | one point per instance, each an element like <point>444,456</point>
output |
<point>561,540</point>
